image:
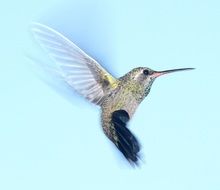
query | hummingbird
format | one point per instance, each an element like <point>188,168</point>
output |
<point>118,98</point>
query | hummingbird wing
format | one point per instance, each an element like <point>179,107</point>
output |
<point>125,141</point>
<point>77,69</point>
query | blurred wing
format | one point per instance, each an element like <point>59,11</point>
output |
<point>78,69</point>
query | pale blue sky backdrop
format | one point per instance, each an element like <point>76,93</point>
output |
<point>48,142</point>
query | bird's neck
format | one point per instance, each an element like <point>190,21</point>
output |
<point>146,91</point>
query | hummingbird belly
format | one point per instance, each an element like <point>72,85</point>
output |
<point>117,110</point>
<point>118,100</point>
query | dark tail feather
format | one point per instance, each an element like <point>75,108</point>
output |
<point>127,142</point>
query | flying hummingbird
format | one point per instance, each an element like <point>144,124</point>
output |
<point>117,97</point>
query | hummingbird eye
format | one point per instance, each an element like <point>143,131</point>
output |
<point>146,72</point>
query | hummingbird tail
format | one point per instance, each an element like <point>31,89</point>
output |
<point>126,141</point>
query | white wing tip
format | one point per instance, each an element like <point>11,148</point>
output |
<point>37,27</point>
<point>37,24</point>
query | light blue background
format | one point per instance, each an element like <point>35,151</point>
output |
<point>46,142</point>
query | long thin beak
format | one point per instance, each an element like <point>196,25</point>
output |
<point>159,73</point>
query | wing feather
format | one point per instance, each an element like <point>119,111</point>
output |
<point>78,69</point>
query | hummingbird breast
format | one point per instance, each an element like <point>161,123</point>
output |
<point>117,109</point>
<point>125,97</point>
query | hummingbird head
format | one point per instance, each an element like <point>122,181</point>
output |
<point>146,76</point>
